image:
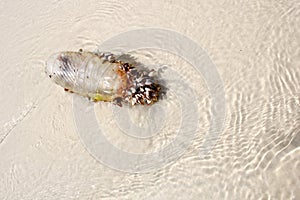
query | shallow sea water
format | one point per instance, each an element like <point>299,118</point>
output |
<point>255,47</point>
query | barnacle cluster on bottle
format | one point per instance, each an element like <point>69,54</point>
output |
<point>140,87</point>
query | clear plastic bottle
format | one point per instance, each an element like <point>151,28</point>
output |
<point>101,77</point>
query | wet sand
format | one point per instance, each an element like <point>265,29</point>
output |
<point>255,47</point>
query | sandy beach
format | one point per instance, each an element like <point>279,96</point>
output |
<point>248,50</point>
